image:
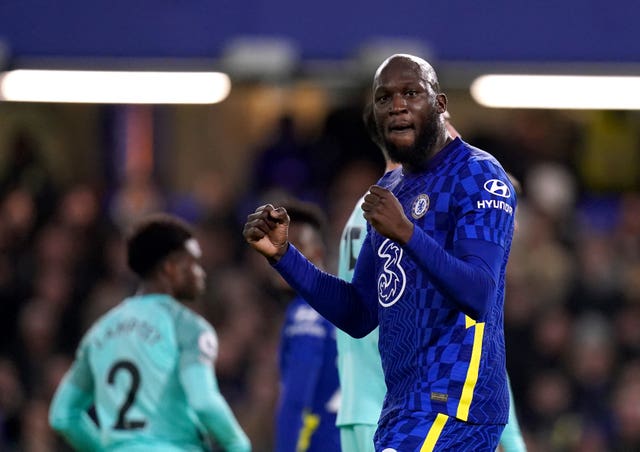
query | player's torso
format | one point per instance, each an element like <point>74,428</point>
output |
<point>426,342</point>
<point>133,355</point>
<point>407,300</point>
<point>306,333</point>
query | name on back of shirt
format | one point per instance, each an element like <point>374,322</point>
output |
<point>130,326</point>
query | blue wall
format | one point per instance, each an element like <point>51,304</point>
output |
<point>491,30</point>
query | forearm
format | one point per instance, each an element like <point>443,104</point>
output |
<point>68,416</point>
<point>338,301</point>
<point>212,409</point>
<point>469,277</point>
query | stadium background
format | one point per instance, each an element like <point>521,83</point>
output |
<point>73,176</point>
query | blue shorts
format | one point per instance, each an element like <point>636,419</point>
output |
<point>422,432</point>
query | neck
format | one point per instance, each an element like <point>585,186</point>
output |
<point>153,286</point>
<point>438,146</point>
<point>390,166</point>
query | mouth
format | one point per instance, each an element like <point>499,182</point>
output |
<point>401,128</point>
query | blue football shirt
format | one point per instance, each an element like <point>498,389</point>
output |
<point>310,392</point>
<point>436,357</point>
<point>441,343</point>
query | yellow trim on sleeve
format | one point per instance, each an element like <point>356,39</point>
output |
<point>472,371</point>
<point>434,433</point>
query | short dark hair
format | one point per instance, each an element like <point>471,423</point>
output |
<point>153,239</point>
<point>370,125</point>
<point>308,213</point>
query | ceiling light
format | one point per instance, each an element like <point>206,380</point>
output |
<point>114,87</point>
<point>557,91</point>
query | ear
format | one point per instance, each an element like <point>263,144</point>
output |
<point>441,102</point>
<point>168,267</point>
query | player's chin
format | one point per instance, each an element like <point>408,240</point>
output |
<point>401,151</point>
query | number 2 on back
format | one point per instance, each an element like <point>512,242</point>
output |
<point>127,366</point>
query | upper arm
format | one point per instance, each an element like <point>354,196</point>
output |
<point>485,204</point>
<point>198,348</point>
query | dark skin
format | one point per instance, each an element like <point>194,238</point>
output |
<point>179,275</point>
<point>307,239</point>
<point>409,116</point>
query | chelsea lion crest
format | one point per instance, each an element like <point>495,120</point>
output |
<point>420,206</point>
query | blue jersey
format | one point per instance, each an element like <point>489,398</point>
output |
<point>436,357</point>
<point>441,338</point>
<point>310,394</point>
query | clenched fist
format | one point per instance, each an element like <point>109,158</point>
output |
<point>384,212</point>
<point>267,231</point>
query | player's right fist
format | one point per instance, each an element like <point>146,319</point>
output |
<point>267,231</point>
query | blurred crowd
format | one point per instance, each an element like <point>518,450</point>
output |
<point>572,310</point>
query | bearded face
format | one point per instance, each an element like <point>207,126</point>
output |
<point>417,152</point>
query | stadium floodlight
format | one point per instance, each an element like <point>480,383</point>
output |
<point>114,87</point>
<point>585,92</point>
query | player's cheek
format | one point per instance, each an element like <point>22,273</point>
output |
<point>199,275</point>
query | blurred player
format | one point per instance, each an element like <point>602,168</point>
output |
<point>430,272</point>
<point>309,395</point>
<point>362,385</point>
<point>147,365</point>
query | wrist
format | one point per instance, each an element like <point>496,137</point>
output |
<point>407,234</point>
<point>280,251</point>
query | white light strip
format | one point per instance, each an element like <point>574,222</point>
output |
<point>557,92</point>
<point>114,87</point>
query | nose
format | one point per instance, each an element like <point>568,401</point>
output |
<point>398,103</point>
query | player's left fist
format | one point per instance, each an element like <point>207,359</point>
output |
<point>385,214</point>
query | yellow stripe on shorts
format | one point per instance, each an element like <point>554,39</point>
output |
<point>472,371</point>
<point>309,425</point>
<point>434,433</point>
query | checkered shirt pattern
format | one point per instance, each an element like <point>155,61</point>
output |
<point>426,342</point>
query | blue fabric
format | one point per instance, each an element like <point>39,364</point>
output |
<point>309,382</point>
<point>439,299</point>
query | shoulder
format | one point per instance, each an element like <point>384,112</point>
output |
<point>479,160</point>
<point>105,320</point>
<point>195,333</point>
<point>188,320</point>
<point>476,168</point>
<point>304,320</point>
<point>390,177</point>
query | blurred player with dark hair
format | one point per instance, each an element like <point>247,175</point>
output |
<point>430,273</point>
<point>147,365</point>
<point>309,395</point>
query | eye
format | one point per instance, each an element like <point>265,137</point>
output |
<point>383,99</point>
<point>411,93</point>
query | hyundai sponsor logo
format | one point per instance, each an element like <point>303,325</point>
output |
<point>498,188</point>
